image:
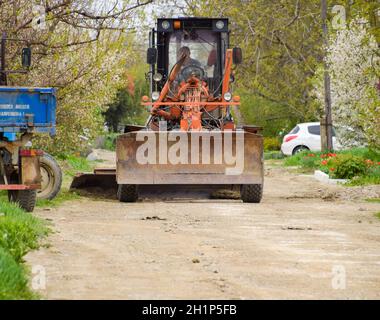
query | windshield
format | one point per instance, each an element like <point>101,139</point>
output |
<point>202,45</point>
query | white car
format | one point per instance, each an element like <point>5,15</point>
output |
<point>305,136</point>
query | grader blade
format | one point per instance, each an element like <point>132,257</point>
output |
<point>100,178</point>
<point>189,158</point>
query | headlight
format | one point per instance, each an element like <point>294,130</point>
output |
<point>228,96</point>
<point>165,25</point>
<point>155,95</point>
<point>157,77</point>
<point>220,24</point>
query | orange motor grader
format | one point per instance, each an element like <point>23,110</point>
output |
<point>190,140</point>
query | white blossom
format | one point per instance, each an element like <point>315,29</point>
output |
<point>353,61</point>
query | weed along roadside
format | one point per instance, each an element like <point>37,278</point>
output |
<point>20,232</point>
<point>360,166</point>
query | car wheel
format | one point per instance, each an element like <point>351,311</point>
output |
<point>299,149</point>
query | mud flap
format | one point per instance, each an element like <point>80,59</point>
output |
<point>30,170</point>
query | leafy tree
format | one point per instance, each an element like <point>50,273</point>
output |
<point>126,108</point>
<point>281,41</point>
<point>283,53</point>
<point>354,67</point>
<point>79,48</point>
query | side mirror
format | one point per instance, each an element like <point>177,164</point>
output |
<point>26,57</point>
<point>237,56</point>
<point>151,56</point>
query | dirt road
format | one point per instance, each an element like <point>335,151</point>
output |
<point>303,241</point>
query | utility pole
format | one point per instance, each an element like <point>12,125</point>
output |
<point>3,75</point>
<point>326,125</point>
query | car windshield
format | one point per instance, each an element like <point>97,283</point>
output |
<point>201,44</point>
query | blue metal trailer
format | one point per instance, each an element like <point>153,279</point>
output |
<point>29,110</point>
<point>23,113</point>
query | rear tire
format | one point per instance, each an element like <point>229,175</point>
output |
<point>51,178</point>
<point>299,149</point>
<point>252,193</point>
<point>127,193</point>
<point>26,199</point>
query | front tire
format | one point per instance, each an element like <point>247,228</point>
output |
<point>26,199</point>
<point>252,193</point>
<point>127,193</point>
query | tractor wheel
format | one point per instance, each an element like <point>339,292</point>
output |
<point>25,198</point>
<point>51,175</point>
<point>252,193</point>
<point>127,193</point>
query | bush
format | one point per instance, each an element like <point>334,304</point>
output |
<point>360,165</point>
<point>110,141</point>
<point>372,177</point>
<point>305,160</point>
<point>346,166</point>
<point>77,164</point>
<point>272,144</point>
<point>364,153</point>
<point>273,155</point>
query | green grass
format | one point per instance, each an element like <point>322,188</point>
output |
<point>13,279</point>
<point>74,164</point>
<point>63,196</point>
<point>273,155</point>
<point>298,159</point>
<point>20,232</point>
<point>110,141</point>
<point>308,164</point>
<point>375,200</point>
<point>364,153</point>
<point>364,181</point>
<point>378,215</point>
